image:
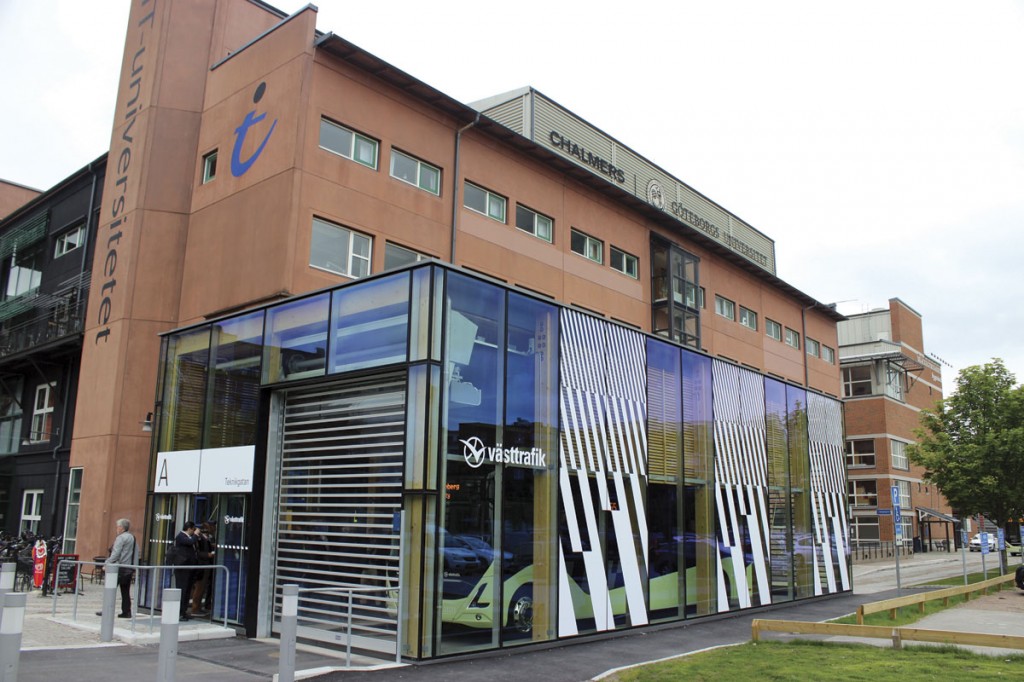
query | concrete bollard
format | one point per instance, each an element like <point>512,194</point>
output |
<point>7,578</point>
<point>168,635</point>
<point>289,628</point>
<point>109,603</point>
<point>13,605</point>
<point>7,572</point>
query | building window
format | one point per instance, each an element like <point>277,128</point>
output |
<point>856,381</point>
<point>31,510</point>
<point>899,455</point>
<point>773,329</point>
<point>864,530</point>
<point>792,338</point>
<point>748,318</point>
<point>894,382</point>
<point>209,166</point>
<point>536,224</point>
<point>860,453</point>
<point>396,256</point>
<point>42,413</point>
<point>863,493</point>
<point>725,307</point>
<point>69,241</point>
<point>71,518</point>
<point>483,201</point>
<point>676,292</point>
<point>339,250</point>
<point>828,354</point>
<point>348,143</point>
<point>587,246</point>
<point>415,172</point>
<point>10,415</point>
<point>625,263</point>
<point>25,273</point>
<point>813,347</point>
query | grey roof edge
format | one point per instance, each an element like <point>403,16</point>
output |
<point>46,195</point>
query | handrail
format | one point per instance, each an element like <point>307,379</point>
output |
<point>347,590</point>
<point>895,603</point>
<point>156,577</point>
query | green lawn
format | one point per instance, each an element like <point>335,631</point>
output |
<point>911,614</point>
<point>813,660</point>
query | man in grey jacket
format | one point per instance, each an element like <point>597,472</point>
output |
<point>123,553</point>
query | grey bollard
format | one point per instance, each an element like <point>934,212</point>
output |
<point>289,627</point>
<point>6,584</point>
<point>168,635</point>
<point>7,578</point>
<point>109,603</point>
<point>13,604</point>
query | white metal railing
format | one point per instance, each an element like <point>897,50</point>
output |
<point>155,578</point>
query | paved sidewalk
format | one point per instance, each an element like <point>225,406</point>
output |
<point>68,647</point>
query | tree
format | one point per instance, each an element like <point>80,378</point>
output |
<point>972,444</point>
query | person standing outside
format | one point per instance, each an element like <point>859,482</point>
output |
<point>206,550</point>
<point>122,556</point>
<point>184,558</point>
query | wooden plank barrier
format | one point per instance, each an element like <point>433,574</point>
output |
<point>892,605</point>
<point>897,635</point>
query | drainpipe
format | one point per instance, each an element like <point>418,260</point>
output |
<point>89,229</point>
<point>455,184</point>
<point>56,450</point>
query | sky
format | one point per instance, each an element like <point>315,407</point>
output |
<point>880,144</point>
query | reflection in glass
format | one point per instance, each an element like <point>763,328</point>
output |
<point>780,545</point>
<point>296,343</point>
<point>474,372</point>
<point>184,394</point>
<point>529,568</point>
<point>800,498</point>
<point>235,399</point>
<point>370,324</point>
<point>698,467</point>
<point>666,560</point>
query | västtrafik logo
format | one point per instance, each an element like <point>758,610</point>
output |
<point>476,453</point>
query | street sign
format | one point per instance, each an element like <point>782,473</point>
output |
<point>984,542</point>
<point>1000,539</point>
<point>883,512</point>
<point>897,518</point>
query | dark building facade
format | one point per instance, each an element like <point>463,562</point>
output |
<point>45,264</point>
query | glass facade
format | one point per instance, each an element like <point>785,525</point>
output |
<point>560,474</point>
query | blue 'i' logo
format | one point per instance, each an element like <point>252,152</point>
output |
<point>238,166</point>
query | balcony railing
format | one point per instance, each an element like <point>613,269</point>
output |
<point>43,318</point>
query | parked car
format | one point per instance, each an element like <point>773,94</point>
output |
<point>975,544</point>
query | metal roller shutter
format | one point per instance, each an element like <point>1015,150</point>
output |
<point>340,491</point>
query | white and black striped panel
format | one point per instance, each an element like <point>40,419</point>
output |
<point>825,439</point>
<point>583,359</point>
<point>627,426</point>
<point>627,363</point>
<point>583,439</point>
<point>741,456</point>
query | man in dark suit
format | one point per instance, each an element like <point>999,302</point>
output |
<point>184,559</point>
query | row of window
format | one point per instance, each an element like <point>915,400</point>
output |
<point>342,251</point>
<point>541,226</point>
<point>860,453</point>
<point>362,149</point>
<point>774,330</point>
<point>25,272</point>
